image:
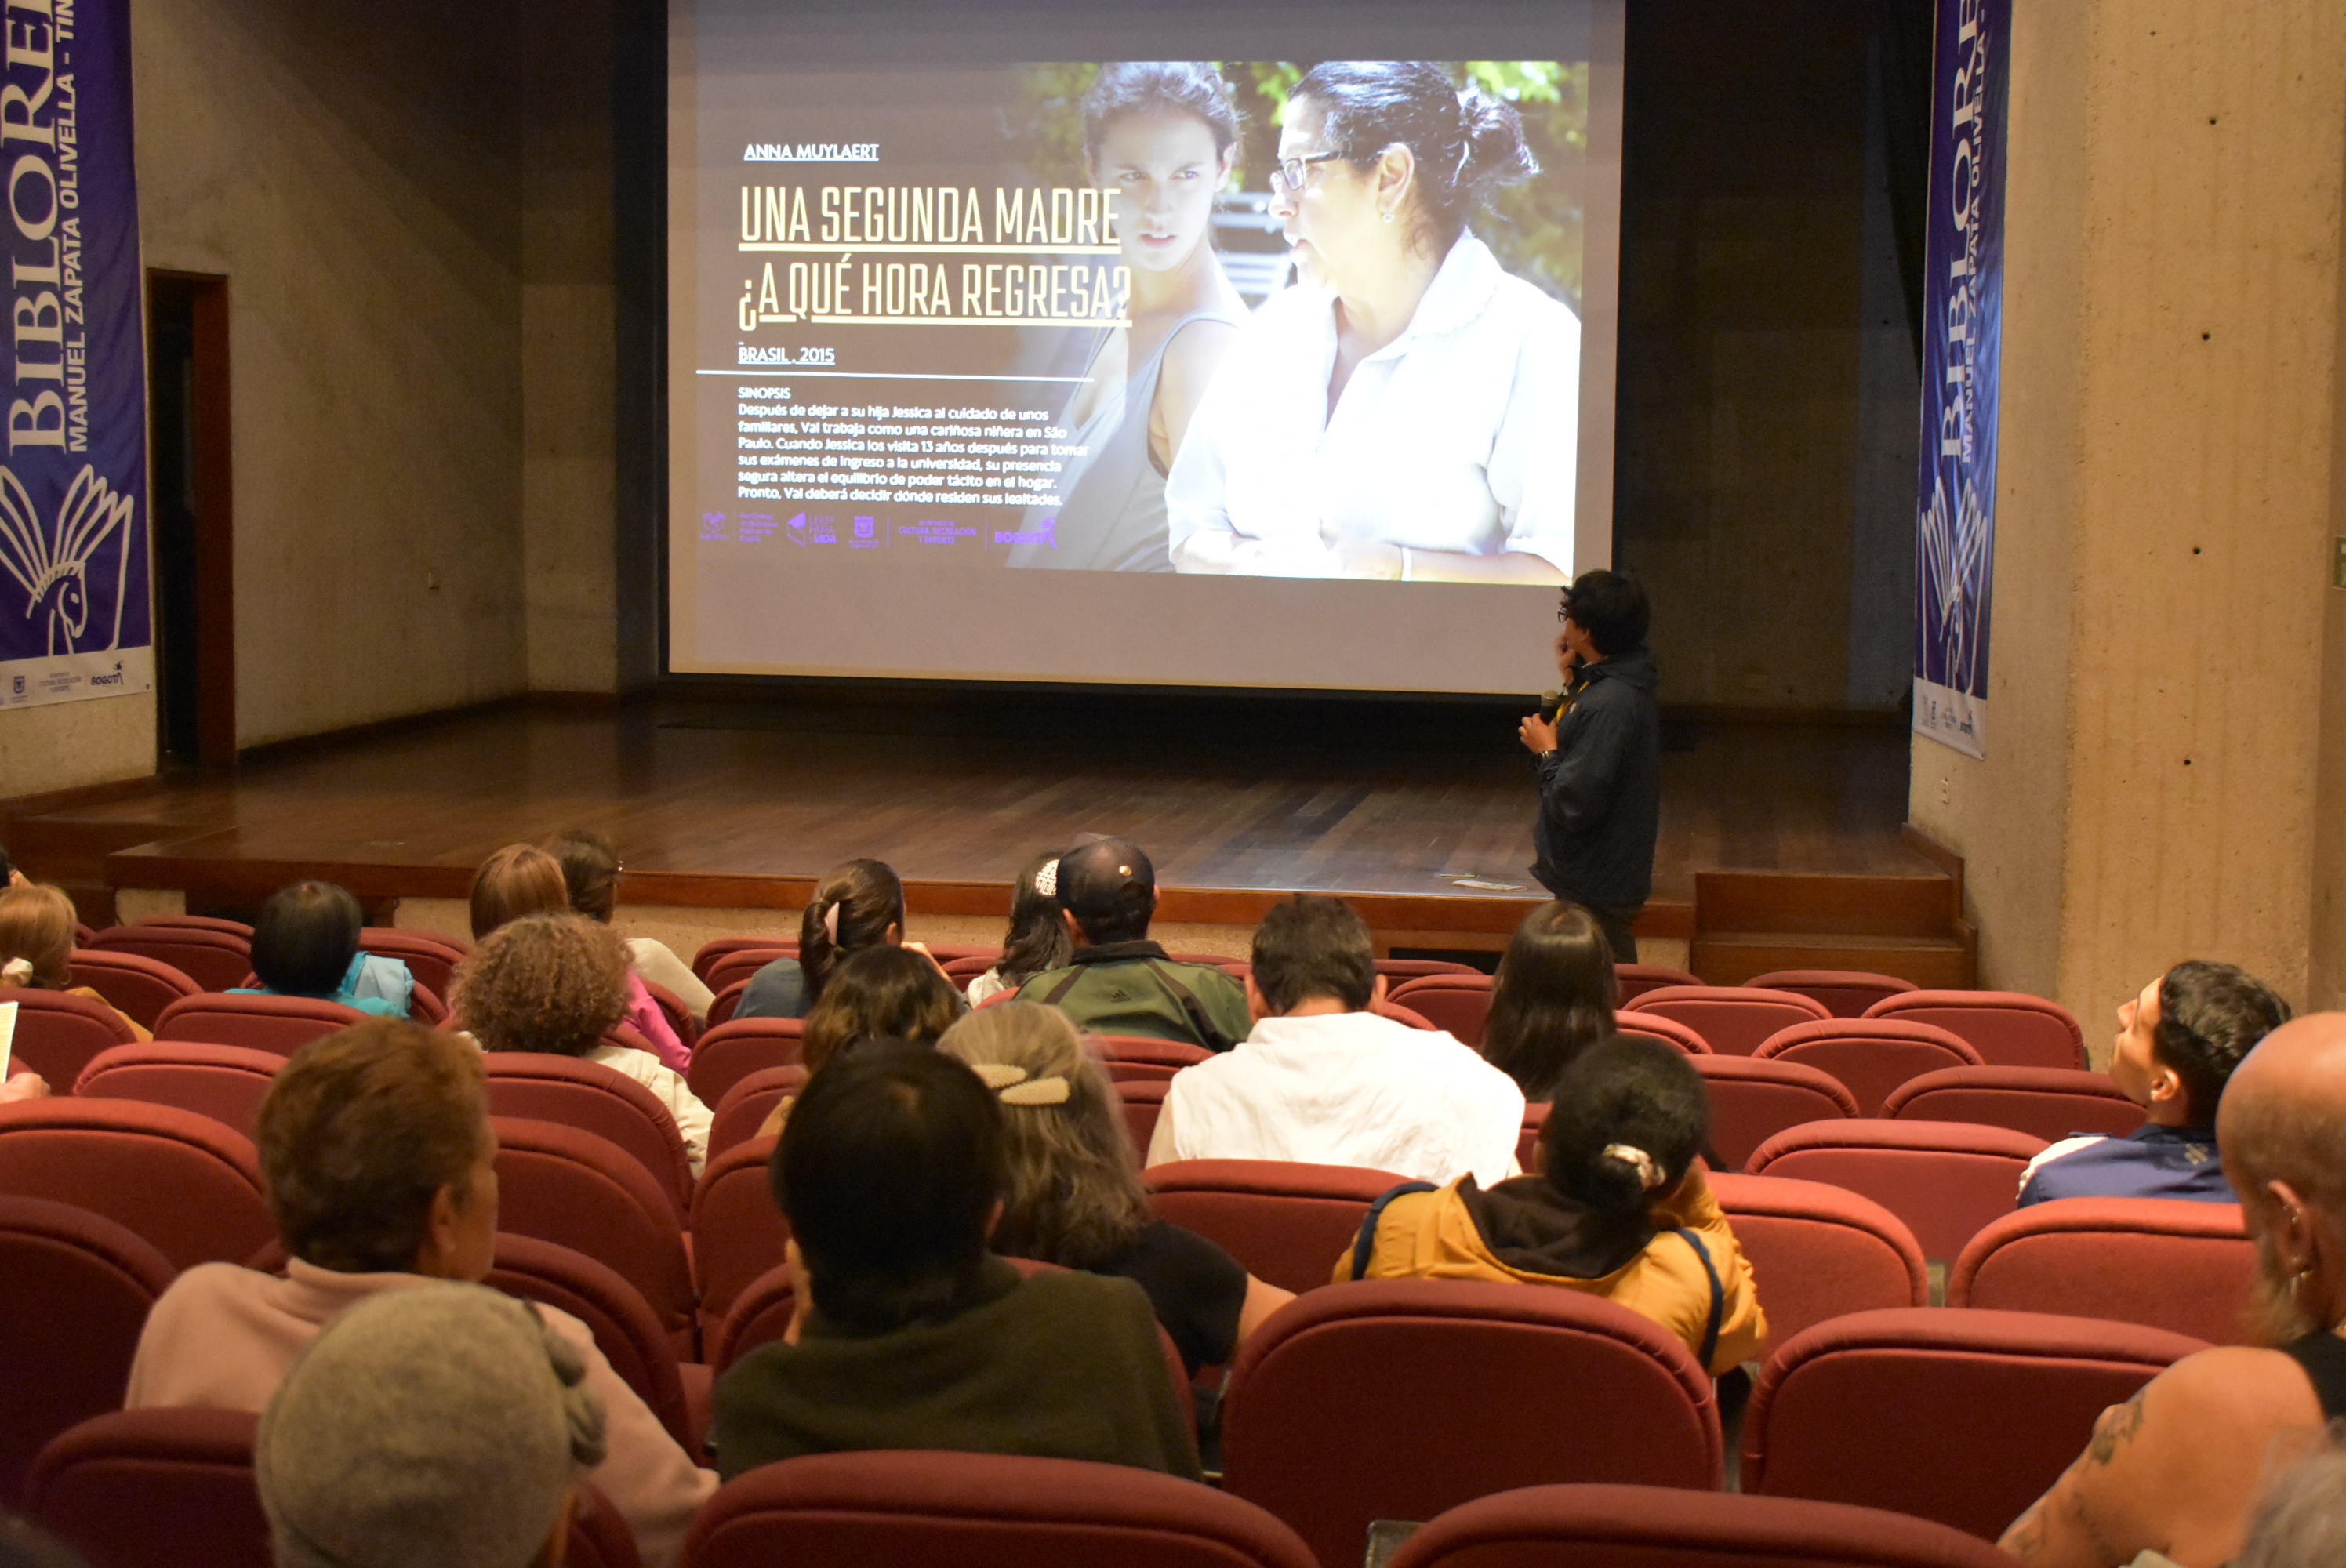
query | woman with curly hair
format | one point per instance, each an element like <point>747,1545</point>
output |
<point>557,984</point>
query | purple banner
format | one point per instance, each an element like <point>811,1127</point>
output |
<point>74,618</point>
<point>1963,324</point>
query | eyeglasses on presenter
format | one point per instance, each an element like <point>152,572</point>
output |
<point>1288,175</point>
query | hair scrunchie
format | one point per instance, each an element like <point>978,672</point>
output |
<point>830,922</point>
<point>1649,1174</point>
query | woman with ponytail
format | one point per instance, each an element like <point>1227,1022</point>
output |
<point>856,905</point>
<point>1619,1208</point>
<point>1408,410</point>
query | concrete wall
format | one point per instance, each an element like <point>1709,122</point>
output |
<point>2167,490</point>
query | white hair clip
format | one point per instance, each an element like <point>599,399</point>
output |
<point>19,970</point>
<point>1649,1174</point>
<point>1046,881</point>
<point>831,923</point>
<point>1015,1086</point>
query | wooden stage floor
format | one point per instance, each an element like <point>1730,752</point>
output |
<point>715,807</point>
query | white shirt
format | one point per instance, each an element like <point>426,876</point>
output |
<point>1346,1089</point>
<point>656,963</point>
<point>1461,434</point>
<point>669,1089</point>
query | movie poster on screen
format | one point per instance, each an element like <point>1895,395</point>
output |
<point>74,619</point>
<point>1963,321</point>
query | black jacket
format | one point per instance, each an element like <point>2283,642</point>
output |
<point>1601,788</point>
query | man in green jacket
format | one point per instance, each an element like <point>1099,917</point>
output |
<point>1118,982</point>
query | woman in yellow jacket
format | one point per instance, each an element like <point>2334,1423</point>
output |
<point>1619,1208</point>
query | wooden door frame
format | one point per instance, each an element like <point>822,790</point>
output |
<point>209,434</point>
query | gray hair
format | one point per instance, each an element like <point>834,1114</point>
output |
<point>2300,1522</point>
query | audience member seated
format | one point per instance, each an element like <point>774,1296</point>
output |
<point>36,943</point>
<point>1073,1195</point>
<point>442,1426</point>
<point>891,992</point>
<point>558,983</point>
<point>2177,1468</point>
<point>523,879</point>
<point>1619,1210</point>
<point>2176,1044</point>
<point>1037,938</point>
<point>856,906</point>
<point>11,875</point>
<point>381,1170</point>
<point>306,943</point>
<point>1554,997</point>
<point>909,1333</point>
<point>1323,1080</point>
<point>2300,1522</point>
<point>1117,981</point>
<point>590,870</point>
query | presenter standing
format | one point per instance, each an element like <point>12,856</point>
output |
<point>1408,410</point>
<point>1599,759</point>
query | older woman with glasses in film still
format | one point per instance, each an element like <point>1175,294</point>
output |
<point>1161,135</point>
<point>1409,409</point>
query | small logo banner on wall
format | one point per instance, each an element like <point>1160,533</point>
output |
<point>1963,325</point>
<point>74,617</point>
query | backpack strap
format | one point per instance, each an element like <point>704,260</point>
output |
<point>1717,1295</point>
<point>1051,998</point>
<point>1212,1038</point>
<point>1364,1244</point>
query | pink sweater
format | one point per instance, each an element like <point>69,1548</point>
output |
<point>222,1338</point>
<point>644,1015</point>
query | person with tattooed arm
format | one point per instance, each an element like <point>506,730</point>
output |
<point>2176,1468</point>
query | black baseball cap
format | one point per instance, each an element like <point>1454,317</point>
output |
<point>1107,883</point>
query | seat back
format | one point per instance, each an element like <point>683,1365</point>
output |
<point>576,1190</point>
<point>1820,1251</point>
<point>979,1510</point>
<point>1398,1399</point>
<point>2007,1028</point>
<point>737,965</point>
<point>1287,1222</point>
<point>430,957</point>
<point>732,1050</point>
<point>1144,1101</point>
<point>186,1183</point>
<point>758,1314</point>
<point>78,1289</point>
<point>134,985</point>
<point>595,1099</point>
<point>748,1103</point>
<point>1945,1179</point>
<point>1664,1527</point>
<point>1161,1058</point>
<point>962,970</point>
<point>2166,1263</point>
<point>59,1034</point>
<point>2050,1103</point>
<point>1668,1031</point>
<point>626,1330</point>
<point>279,1023</point>
<point>728,997</point>
<point>1962,1417</point>
<point>214,958</point>
<point>1843,992</point>
<point>226,1083</point>
<point>130,1488</point>
<point>1459,1004</point>
<point>1872,1057</point>
<point>1733,1020</point>
<point>1634,980</point>
<point>713,952</point>
<point>738,1232</point>
<point>1752,1099</point>
<point>1398,970</point>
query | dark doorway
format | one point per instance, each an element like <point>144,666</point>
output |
<point>195,576</point>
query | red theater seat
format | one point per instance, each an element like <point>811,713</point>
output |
<point>1733,1020</point>
<point>712,954</point>
<point>2166,1263</point>
<point>1820,1251</point>
<point>1843,992</point>
<point>279,1023</point>
<point>1752,1099</point>
<point>198,922</point>
<point>1133,1057</point>
<point>2007,1028</point>
<point>917,1510</point>
<point>1398,1398</point>
<point>732,1050</point>
<point>1287,1222</point>
<point>1459,1004</point>
<point>1871,1057</point>
<point>188,1184</point>
<point>746,1105</point>
<point>728,998</point>
<point>2049,1103</point>
<point>1666,1527</point>
<point>738,1233</point>
<point>1143,1100</point>
<point>626,1328</point>
<point>1963,1418</point>
<point>595,1099</point>
<point>59,1034</point>
<point>760,1314</point>
<point>1397,971</point>
<point>136,1488</point>
<point>133,984</point>
<point>588,1194</point>
<point>214,954</point>
<point>1637,979</point>
<point>1668,1031</point>
<point>78,1289</point>
<point>226,1083</point>
<point>1945,1179</point>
